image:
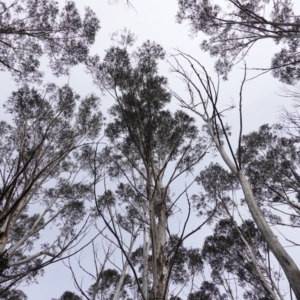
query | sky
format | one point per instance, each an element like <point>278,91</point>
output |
<point>155,20</point>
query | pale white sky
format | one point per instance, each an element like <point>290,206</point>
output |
<point>155,20</point>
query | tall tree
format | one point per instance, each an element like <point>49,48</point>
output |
<point>41,154</point>
<point>208,94</point>
<point>148,143</point>
<point>31,28</point>
<point>237,254</point>
<point>234,26</point>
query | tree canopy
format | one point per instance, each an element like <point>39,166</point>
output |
<point>41,154</point>
<point>146,200</point>
<point>234,26</point>
<point>32,28</point>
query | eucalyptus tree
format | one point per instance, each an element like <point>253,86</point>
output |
<point>234,26</point>
<point>271,161</point>
<point>238,255</point>
<point>32,28</point>
<point>43,157</point>
<point>203,102</point>
<point>149,146</point>
<point>232,265</point>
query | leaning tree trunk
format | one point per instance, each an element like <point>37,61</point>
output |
<point>289,267</point>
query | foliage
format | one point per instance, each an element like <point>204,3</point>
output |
<point>207,291</point>
<point>69,296</point>
<point>31,28</point>
<point>13,295</point>
<point>41,155</point>
<point>227,253</point>
<point>271,158</point>
<point>51,161</point>
<point>234,26</point>
<point>149,147</point>
<point>106,286</point>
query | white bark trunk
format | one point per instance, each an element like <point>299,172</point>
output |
<point>262,279</point>
<point>146,246</point>
<point>153,234</point>
<point>125,266</point>
<point>288,265</point>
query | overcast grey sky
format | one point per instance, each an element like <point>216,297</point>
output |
<point>155,20</point>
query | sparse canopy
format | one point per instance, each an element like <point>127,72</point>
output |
<point>234,26</point>
<point>41,154</point>
<point>150,147</point>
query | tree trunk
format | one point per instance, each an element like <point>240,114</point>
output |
<point>162,259</point>
<point>125,266</point>
<point>158,241</point>
<point>288,265</point>
<point>153,233</point>
<point>146,246</point>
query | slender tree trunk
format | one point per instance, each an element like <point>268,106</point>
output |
<point>153,233</point>
<point>146,246</point>
<point>160,263</point>
<point>7,226</point>
<point>125,266</point>
<point>3,236</point>
<point>286,262</point>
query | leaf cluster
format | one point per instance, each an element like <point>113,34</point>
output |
<point>234,26</point>
<point>31,28</point>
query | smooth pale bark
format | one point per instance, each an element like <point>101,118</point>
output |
<point>158,233</point>
<point>125,266</point>
<point>261,277</point>
<point>289,267</point>
<point>146,246</point>
<point>153,232</point>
